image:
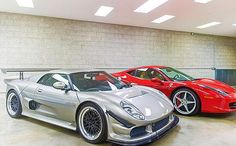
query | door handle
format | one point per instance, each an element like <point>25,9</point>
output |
<point>40,90</point>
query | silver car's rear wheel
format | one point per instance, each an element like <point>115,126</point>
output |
<point>92,123</point>
<point>185,102</point>
<point>13,104</point>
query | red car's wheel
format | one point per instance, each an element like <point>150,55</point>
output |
<point>186,102</point>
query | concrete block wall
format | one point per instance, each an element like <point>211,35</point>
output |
<point>42,42</point>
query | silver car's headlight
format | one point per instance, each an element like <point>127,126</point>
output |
<point>214,89</point>
<point>132,110</point>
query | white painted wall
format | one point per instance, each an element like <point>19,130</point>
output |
<point>42,42</point>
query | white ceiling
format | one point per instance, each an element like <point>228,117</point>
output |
<point>188,14</point>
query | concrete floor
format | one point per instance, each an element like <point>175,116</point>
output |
<point>202,130</point>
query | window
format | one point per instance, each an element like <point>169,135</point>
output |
<point>142,73</point>
<point>132,73</point>
<point>50,79</point>
<point>156,74</point>
<point>95,81</point>
<point>176,75</point>
<point>43,79</point>
<point>148,73</point>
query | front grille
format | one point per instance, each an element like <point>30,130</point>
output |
<point>138,131</point>
<point>232,105</point>
<point>160,124</point>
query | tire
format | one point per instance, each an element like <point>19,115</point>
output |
<point>89,115</point>
<point>186,102</point>
<point>13,104</point>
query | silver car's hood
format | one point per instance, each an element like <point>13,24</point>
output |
<point>151,103</point>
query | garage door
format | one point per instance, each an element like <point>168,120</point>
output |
<point>227,76</point>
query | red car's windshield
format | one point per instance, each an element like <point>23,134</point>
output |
<point>175,75</point>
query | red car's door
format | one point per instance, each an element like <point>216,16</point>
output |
<point>143,76</point>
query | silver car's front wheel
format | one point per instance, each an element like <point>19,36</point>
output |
<point>186,102</point>
<point>92,123</point>
<point>13,104</point>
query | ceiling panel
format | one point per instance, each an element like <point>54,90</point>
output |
<point>188,14</point>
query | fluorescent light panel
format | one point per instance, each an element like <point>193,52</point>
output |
<point>234,24</point>
<point>149,6</point>
<point>208,25</point>
<point>163,19</point>
<point>202,1</point>
<point>25,3</point>
<point>103,11</point>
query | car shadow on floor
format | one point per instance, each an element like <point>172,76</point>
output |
<point>225,116</point>
<point>169,135</point>
<point>59,129</point>
<point>211,116</point>
<point>216,116</point>
<point>50,126</point>
<point>166,139</point>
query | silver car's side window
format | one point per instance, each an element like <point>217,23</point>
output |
<point>50,79</point>
<point>43,79</point>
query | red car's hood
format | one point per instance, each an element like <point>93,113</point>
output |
<point>215,84</point>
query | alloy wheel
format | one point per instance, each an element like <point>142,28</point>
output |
<point>90,123</point>
<point>184,102</point>
<point>13,103</point>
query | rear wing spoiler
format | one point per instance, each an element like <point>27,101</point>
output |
<point>21,71</point>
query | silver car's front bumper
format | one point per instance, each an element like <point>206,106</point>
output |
<point>122,135</point>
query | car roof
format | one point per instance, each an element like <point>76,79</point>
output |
<point>149,66</point>
<point>153,66</point>
<point>35,78</point>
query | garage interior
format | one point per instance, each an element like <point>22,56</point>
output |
<point>67,34</point>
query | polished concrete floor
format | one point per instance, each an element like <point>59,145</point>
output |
<point>201,130</point>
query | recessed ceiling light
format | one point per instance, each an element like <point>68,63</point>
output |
<point>25,3</point>
<point>202,1</point>
<point>150,5</point>
<point>103,11</point>
<point>209,25</point>
<point>163,19</point>
<point>234,24</point>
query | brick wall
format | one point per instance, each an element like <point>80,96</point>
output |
<point>32,41</point>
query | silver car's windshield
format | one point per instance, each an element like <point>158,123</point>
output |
<point>176,75</point>
<point>96,81</point>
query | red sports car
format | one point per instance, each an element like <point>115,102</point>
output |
<point>188,95</point>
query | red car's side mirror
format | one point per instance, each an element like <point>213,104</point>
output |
<point>156,80</point>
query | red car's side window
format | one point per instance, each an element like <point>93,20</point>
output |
<point>132,73</point>
<point>146,73</point>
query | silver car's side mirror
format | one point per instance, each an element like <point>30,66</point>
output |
<point>59,85</point>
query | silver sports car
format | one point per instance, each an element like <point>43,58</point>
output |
<point>96,104</point>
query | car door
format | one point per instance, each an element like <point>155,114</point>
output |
<point>53,102</point>
<point>144,76</point>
